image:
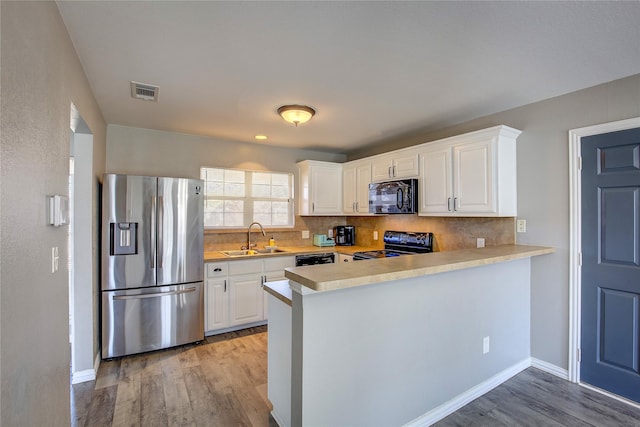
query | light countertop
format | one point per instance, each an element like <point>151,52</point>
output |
<point>212,256</point>
<point>329,277</point>
<point>280,290</point>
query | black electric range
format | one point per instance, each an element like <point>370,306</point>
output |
<point>398,243</point>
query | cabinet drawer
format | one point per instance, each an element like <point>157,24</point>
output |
<point>245,267</point>
<point>217,269</point>
<point>279,263</point>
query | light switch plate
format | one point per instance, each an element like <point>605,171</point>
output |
<point>54,259</point>
<point>485,345</point>
<point>480,242</point>
<point>305,234</point>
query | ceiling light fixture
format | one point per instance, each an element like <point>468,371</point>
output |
<point>296,114</point>
<point>261,137</point>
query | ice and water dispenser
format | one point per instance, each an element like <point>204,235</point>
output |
<point>124,238</point>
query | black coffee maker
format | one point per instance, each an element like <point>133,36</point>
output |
<point>345,235</point>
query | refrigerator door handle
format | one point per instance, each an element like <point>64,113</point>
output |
<point>160,228</point>
<point>154,295</point>
<point>152,241</point>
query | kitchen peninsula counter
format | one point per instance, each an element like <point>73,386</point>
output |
<point>337,276</point>
<point>413,336</point>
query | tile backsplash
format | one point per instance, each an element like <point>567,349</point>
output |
<point>449,233</point>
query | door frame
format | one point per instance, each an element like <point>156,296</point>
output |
<point>575,227</point>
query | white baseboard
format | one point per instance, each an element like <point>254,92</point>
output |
<point>83,376</point>
<point>87,374</point>
<point>278,419</point>
<point>473,393</point>
<point>234,328</point>
<point>550,368</point>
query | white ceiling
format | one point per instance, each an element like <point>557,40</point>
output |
<point>372,70</point>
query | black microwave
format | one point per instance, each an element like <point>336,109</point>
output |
<point>394,197</point>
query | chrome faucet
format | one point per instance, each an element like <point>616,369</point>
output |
<point>249,234</point>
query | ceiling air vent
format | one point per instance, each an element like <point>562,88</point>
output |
<point>144,91</point>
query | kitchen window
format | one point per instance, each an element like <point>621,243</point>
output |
<point>235,198</point>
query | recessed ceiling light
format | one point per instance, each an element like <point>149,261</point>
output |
<point>261,137</point>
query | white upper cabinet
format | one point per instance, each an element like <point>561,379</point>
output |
<point>356,177</point>
<point>395,165</point>
<point>470,175</point>
<point>320,189</point>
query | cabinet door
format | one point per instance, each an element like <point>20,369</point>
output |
<point>405,166</point>
<point>363,179</point>
<point>274,267</point>
<point>381,169</point>
<point>349,189</point>
<point>396,166</point>
<point>473,177</point>
<point>245,291</point>
<point>274,271</point>
<point>216,304</point>
<point>436,192</point>
<point>325,187</point>
<point>245,299</point>
<point>216,296</point>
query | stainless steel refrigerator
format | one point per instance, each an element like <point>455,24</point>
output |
<point>152,263</point>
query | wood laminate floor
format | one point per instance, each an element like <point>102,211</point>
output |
<point>223,382</point>
<point>536,398</point>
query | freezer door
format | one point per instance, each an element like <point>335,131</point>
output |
<point>147,319</point>
<point>128,237</point>
<point>180,231</point>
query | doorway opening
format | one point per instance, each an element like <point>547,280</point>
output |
<point>80,243</point>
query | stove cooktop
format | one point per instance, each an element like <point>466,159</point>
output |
<point>399,243</point>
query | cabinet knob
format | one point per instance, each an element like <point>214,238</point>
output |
<point>217,269</point>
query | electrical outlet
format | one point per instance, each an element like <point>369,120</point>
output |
<point>480,242</point>
<point>305,234</point>
<point>330,232</point>
<point>375,235</point>
<point>485,345</point>
<point>521,226</point>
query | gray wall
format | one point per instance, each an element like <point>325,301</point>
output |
<point>40,77</point>
<point>543,191</point>
<point>387,353</point>
<point>149,152</point>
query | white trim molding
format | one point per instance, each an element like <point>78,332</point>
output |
<point>473,393</point>
<point>575,226</point>
<point>83,376</point>
<point>550,368</point>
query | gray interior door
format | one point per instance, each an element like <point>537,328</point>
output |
<point>610,295</point>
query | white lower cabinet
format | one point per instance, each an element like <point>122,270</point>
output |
<point>234,294</point>
<point>274,271</point>
<point>216,296</point>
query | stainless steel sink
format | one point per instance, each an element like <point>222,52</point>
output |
<point>249,252</point>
